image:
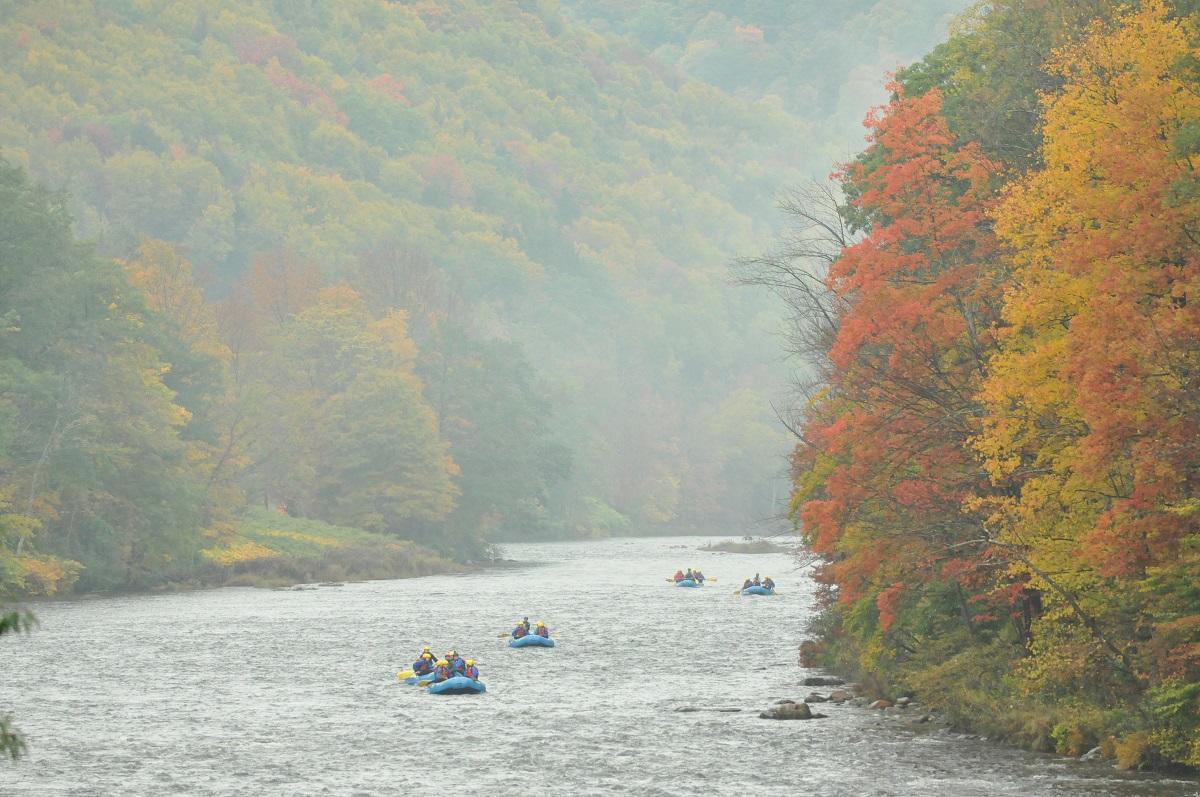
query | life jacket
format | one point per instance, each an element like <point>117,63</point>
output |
<point>472,672</point>
<point>679,575</point>
<point>698,576</point>
<point>768,583</point>
<point>422,666</point>
<point>458,665</point>
<point>543,631</point>
<point>442,674</point>
<point>519,632</point>
<point>748,584</point>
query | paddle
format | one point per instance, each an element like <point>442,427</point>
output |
<point>405,674</point>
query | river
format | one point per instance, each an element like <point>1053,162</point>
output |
<point>257,692</point>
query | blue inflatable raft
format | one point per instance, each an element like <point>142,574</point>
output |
<point>687,582</point>
<point>531,641</point>
<point>756,590</point>
<point>458,685</point>
<point>419,679</point>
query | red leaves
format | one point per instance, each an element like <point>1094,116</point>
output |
<point>887,602</point>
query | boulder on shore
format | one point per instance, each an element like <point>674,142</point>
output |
<point>790,711</point>
<point>822,680</point>
<point>881,704</point>
<point>840,695</point>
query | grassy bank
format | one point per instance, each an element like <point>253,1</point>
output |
<point>273,549</point>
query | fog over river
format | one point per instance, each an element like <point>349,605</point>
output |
<point>257,692</point>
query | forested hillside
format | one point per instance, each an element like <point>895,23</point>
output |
<point>998,460</point>
<point>452,271</point>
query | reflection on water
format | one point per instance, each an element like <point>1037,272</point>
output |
<point>255,692</point>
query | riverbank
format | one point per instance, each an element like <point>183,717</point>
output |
<point>271,549</point>
<point>970,693</point>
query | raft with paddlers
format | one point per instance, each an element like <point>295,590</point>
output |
<point>758,586</point>
<point>523,636</point>
<point>692,578</point>
<point>430,672</point>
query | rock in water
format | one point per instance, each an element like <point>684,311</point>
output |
<point>821,680</point>
<point>881,704</point>
<point>840,695</point>
<point>816,697</point>
<point>790,711</point>
<point>1091,755</point>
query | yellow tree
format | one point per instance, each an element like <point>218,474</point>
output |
<point>1094,402</point>
<point>200,375</point>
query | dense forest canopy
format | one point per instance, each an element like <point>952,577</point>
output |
<point>448,271</point>
<point>996,458</point>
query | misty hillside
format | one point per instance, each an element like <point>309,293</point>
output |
<point>552,208</point>
<point>823,61</point>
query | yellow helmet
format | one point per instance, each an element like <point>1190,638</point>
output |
<point>470,662</point>
<point>541,624</point>
<point>425,648</point>
<point>427,655</point>
<point>441,662</point>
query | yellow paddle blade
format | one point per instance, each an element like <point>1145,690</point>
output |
<point>404,674</point>
<point>424,684</point>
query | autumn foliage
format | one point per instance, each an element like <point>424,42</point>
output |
<point>1002,470</point>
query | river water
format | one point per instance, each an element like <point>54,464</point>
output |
<point>258,692</point>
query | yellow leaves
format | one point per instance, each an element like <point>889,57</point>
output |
<point>324,542</point>
<point>236,554</point>
<point>47,575</point>
<point>392,329</point>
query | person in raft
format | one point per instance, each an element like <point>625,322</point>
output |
<point>471,671</point>
<point>689,575</point>
<point>520,631</point>
<point>442,673</point>
<point>542,630</point>
<point>747,584</point>
<point>768,583</point>
<point>425,664</point>
<point>455,662</point>
<point>757,580</point>
<point>678,576</point>
<point>696,574</point>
